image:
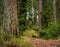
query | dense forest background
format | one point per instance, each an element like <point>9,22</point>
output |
<point>29,18</point>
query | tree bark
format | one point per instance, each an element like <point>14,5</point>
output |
<point>10,21</point>
<point>39,14</point>
<point>54,11</point>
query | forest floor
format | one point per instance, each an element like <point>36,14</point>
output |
<point>44,43</point>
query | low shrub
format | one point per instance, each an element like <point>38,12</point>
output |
<point>31,33</point>
<point>17,42</point>
<point>52,32</point>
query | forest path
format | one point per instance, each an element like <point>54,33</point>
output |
<point>44,43</point>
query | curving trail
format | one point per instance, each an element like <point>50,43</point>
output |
<point>44,43</point>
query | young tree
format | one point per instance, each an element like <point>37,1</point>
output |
<point>10,21</point>
<point>54,11</point>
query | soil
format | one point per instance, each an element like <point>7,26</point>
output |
<point>44,43</point>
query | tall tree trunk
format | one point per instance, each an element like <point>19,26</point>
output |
<point>10,21</point>
<point>32,12</point>
<point>39,14</point>
<point>54,11</point>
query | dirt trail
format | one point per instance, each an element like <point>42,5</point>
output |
<point>44,43</point>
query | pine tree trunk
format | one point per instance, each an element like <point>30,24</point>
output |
<point>39,14</point>
<point>10,21</point>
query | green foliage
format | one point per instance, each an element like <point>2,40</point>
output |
<point>26,6</point>
<point>34,28</point>
<point>22,15</point>
<point>52,32</point>
<point>17,42</point>
<point>1,11</point>
<point>58,10</point>
<point>1,36</point>
<point>47,12</point>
